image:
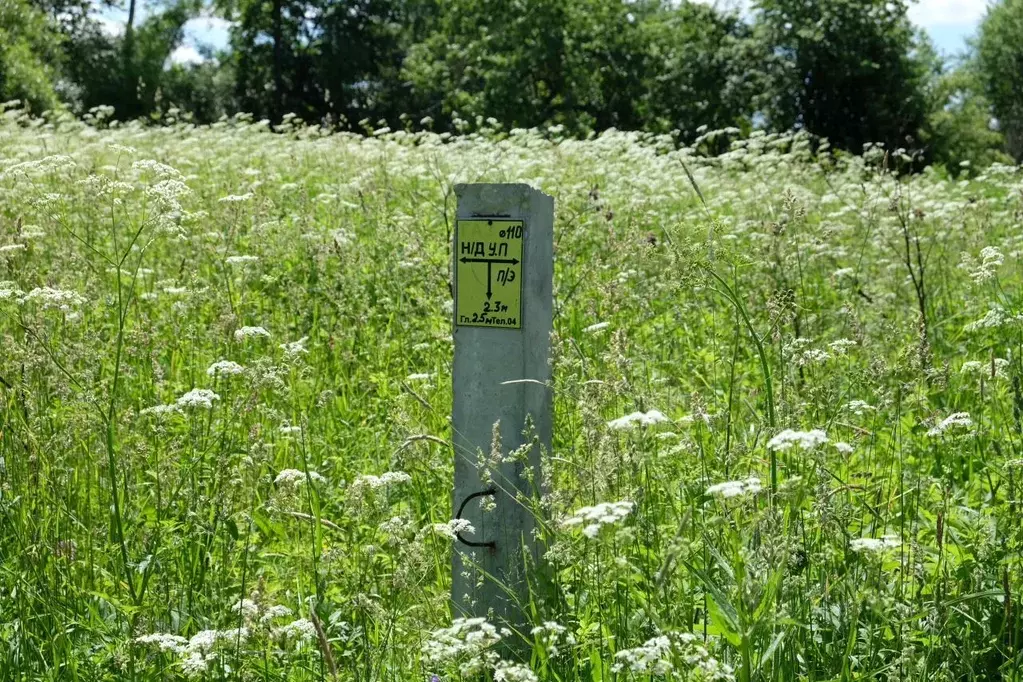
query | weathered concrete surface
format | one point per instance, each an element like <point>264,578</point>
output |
<point>485,358</point>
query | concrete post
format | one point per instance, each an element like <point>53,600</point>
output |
<point>503,315</point>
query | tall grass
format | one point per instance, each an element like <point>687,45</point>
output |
<point>225,386</point>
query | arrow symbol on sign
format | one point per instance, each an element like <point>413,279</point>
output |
<point>490,264</point>
<point>513,261</point>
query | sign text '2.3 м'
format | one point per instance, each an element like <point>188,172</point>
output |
<point>488,273</point>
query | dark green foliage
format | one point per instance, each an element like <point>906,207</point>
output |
<point>703,70</point>
<point>958,132</point>
<point>28,51</point>
<point>1000,58</point>
<point>843,69</point>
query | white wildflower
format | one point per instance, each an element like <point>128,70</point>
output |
<point>9,290</point>
<point>301,631</point>
<point>293,348</point>
<point>196,663</point>
<point>164,642</point>
<point>727,489</point>
<point>274,612</point>
<point>160,409</point>
<point>596,327</point>
<point>452,528</point>
<point>236,198</point>
<point>592,519</point>
<point>422,376</point>
<point>841,346</point>
<point>844,448</point>
<point>55,299</point>
<point>990,258</point>
<point>249,332</point>
<point>652,657</point>
<point>997,368</point>
<point>466,638</point>
<point>371,482</point>
<point>954,424</point>
<point>198,397</point>
<point>290,478</point>
<point>858,407</point>
<point>641,418</point>
<point>241,260</point>
<point>11,248</point>
<point>506,671</point>
<point>802,440</point>
<point>161,170</point>
<point>224,368</point>
<point>874,545</point>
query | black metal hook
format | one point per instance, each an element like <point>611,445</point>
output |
<point>458,516</point>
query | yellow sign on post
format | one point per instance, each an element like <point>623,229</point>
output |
<point>488,273</point>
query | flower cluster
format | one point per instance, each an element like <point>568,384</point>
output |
<point>592,519</point>
<point>630,421</point>
<point>801,440</point>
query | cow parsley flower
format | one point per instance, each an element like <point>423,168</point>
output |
<point>55,299</point>
<point>652,657</point>
<point>466,638</point>
<point>371,482</point>
<point>858,407</point>
<point>164,642</point>
<point>452,528</point>
<point>198,397</point>
<point>592,519</point>
<point>293,348</point>
<point>301,631</point>
<point>802,440</point>
<point>630,421</point>
<point>728,489</point>
<point>506,671</point>
<point>290,478</point>
<point>224,368</point>
<point>874,545</point>
<point>9,290</point>
<point>241,260</point>
<point>249,332</point>
<point>236,198</point>
<point>593,328</point>
<point>957,423</point>
<point>160,409</point>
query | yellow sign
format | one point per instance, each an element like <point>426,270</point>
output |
<point>488,273</point>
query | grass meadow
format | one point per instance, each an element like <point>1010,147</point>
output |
<point>792,379</point>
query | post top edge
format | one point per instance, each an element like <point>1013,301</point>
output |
<point>463,187</point>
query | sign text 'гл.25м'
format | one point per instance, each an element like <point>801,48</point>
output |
<point>488,273</point>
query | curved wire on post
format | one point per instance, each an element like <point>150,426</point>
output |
<point>458,516</point>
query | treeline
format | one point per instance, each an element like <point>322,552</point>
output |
<point>853,71</point>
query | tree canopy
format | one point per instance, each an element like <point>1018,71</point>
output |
<point>852,71</point>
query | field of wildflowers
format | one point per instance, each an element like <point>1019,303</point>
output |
<point>788,440</point>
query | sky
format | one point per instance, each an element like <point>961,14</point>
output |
<point>948,22</point>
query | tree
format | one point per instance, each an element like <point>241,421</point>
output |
<point>843,69</point>
<point>28,55</point>
<point>703,69</point>
<point>958,133</point>
<point>106,71</point>
<point>1000,62</point>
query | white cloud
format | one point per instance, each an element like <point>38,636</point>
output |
<point>929,13</point>
<point>186,54</point>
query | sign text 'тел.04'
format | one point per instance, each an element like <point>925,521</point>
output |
<point>488,273</point>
